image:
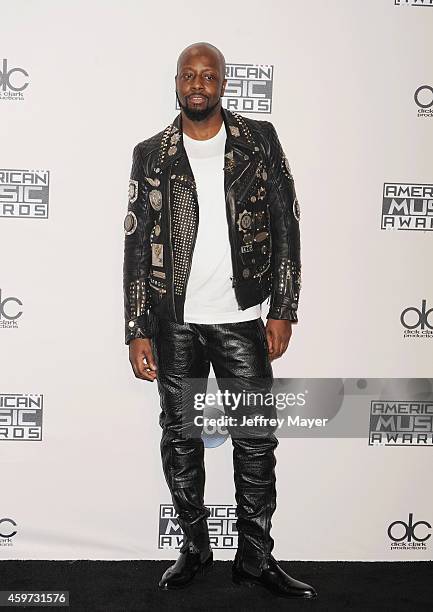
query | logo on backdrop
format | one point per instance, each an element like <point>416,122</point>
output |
<point>417,321</point>
<point>401,423</point>
<point>424,100</point>
<point>413,3</point>
<point>13,81</point>
<point>248,88</point>
<point>409,535</point>
<point>7,531</point>
<point>21,416</point>
<point>407,206</point>
<point>24,194</point>
<point>10,310</point>
<point>221,525</point>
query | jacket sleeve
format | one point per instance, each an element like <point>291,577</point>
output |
<point>137,257</point>
<point>286,247</point>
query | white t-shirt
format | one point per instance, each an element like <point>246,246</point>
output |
<point>210,297</point>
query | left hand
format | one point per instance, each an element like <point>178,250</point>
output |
<point>278,334</point>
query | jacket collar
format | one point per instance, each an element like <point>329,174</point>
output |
<point>239,138</point>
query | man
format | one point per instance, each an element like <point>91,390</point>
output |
<point>212,231</point>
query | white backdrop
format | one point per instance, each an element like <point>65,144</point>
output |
<point>100,79</point>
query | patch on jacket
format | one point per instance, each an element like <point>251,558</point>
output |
<point>133,191</point>
<point>158,255</point>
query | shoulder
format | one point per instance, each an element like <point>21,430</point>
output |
<point>260,131</point>
<point>258,127</point>
<point>149,145</point>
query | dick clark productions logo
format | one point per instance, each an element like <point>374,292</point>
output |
<point>13,81</point>
<point>10,310</point>
<point>417,322</point>
<point>409,535</point>
<point>424,100</point>
<point>7,531</point>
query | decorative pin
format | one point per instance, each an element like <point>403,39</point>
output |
<point>175,139</point>
<point>253,199</point>
<point>261,236</point>
<point>244,220</point>
<point>234,130</point>
<point>264,175</point>
<point>155,198</point>
<point>130,223</point>
<point>157,255</point>
<point>157,230</point>
<point>245,272</point>
<point>247,248</point>
<point>172,150</point>
<point>248,238</point>
<point>230,163</point>
<point>154,182</point>
<point>132,191</point>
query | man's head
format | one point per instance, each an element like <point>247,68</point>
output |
<point>200,80</point>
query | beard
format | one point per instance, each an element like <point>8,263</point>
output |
<point>196,114</point>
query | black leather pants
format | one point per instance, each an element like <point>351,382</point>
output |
<point>239,356</point>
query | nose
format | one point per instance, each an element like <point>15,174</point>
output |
<point>197,83</point>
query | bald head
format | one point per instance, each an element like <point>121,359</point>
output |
<point>200,82</point>
<point>199,50</point>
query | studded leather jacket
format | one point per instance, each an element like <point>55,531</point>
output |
<point>163,215</point>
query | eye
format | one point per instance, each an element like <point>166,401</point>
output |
<point>210,77</point>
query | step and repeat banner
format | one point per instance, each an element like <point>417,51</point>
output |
<point>348,85</point>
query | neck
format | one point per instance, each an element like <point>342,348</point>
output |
<point>203,130</point>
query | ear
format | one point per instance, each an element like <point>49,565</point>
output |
<point>223,87</point>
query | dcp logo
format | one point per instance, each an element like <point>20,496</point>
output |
<point>424,96</point>
<point>12,79</point>
<point>421,317</point>
<point>9,308</point>
<point>7,528</point>
<point>408,532</point>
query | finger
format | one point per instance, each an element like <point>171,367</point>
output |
<point>270,342</point>
<point>278,349</point>
<point>142,370</point>
<point>150,360</point>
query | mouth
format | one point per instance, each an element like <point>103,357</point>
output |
<point>196,99</point>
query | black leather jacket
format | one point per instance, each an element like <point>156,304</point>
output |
<point>163,215</point>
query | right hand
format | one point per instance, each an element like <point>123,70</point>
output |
<point>141,358</point>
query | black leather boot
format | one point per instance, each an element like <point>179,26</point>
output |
<point>190,562</point>
<point>274,579</point>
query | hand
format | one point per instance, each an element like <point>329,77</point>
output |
<point>278,334</point>
<point>141,358</point>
